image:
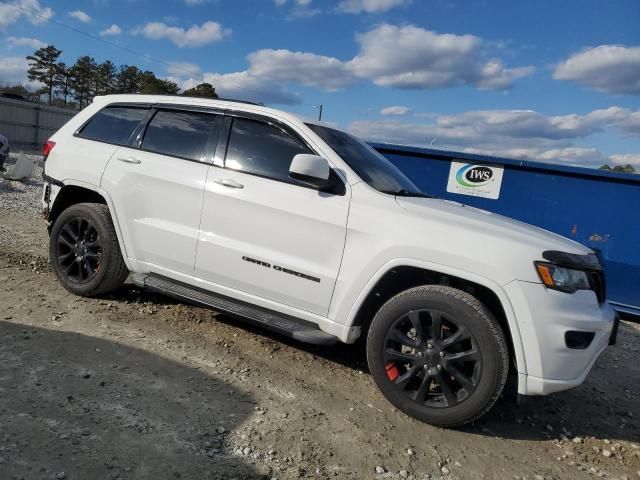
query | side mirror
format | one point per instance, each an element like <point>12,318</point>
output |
<point>312,170</point>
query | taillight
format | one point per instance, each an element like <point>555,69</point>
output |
<point>46,150</point>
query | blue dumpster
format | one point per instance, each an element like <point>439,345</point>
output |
<point>599,209</point>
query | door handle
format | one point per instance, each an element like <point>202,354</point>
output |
<point>228,182</point>
<point>131,160</point>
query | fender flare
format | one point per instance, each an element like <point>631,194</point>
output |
<point>495,287</point>
<point>112,212</point>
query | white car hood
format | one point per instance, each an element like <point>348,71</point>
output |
<point>491,224</point>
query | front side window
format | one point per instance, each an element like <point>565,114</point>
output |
<point>179,134</point>
<point>259,148</point>
<point>114,124</point>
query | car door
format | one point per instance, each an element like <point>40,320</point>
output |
<point>157,186</point>
<point>263,233</point>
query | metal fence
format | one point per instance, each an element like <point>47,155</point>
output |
<point>28,125</point>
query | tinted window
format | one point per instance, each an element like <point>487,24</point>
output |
<point>181,134</point>
<point>368,164</point>
<point>260,148</point>
<point>113,124</point>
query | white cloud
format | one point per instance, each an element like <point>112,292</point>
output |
<point>112,31</point>
<point>25,42</point>
<point>184,70</point>
<point>80,16</point>
<point>13,70</point>
<point>395,110</point>
<point>303,12</point>
<point>412,57</point>
<point>194,36</point>
<point>606,68</point>
<point>304,68</point>
<point>244,86</point>
<point>631,123</point>
<point>523,134</point>
<point>299,9</point>
<point>626,158</point>
<point>30,10</point>
<point>369,6</point>
<point>237,85</point>
<point>506,127</point>
<point>300,3</point>
<point>401,57</point>
<point>576,156</point>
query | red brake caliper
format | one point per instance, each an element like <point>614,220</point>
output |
<point>392,371</point>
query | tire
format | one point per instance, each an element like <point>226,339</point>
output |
<point>449,378</point>
<point>84,251</point>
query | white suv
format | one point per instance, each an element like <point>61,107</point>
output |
<point>306,230</point>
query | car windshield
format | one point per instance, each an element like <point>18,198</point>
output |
<point>368,164</point>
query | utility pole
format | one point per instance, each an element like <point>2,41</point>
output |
<point>319,107</point>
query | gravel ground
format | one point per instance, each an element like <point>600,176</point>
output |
<point>22,197</point>
<point>137,386</point>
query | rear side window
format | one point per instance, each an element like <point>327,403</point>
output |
<point>180,134</point>
<point>259,148</point>
<point>113,124</point>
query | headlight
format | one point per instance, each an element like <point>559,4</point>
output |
<point>561,278</point>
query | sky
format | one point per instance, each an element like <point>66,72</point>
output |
<point>555,81</point>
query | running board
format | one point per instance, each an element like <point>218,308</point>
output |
<point>296,328</point>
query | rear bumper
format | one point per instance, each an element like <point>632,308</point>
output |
<point>50,189</point>
<point>544,317</point>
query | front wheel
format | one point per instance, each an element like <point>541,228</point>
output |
<point>438,355</point>
<point>84,250</point>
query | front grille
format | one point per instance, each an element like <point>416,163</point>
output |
<point>596,279</point>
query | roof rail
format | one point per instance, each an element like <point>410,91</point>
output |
<point>240,101</point>
<point>188,96</point>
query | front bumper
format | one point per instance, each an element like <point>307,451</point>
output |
<point>544,317</point>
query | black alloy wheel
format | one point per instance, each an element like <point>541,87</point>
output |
<point>79,250</point>
<point>438,355</point>
<point>432,359</point>
<point>84,250</point>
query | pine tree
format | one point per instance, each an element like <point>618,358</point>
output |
<point>154,85</point>
<point>83,74</point>
<point>129,79</point>
<point>62,81</point>
<point>107,78</point>
<point>202,90</point>
<point>43,67</point>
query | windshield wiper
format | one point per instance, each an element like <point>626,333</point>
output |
<point>406,193</point>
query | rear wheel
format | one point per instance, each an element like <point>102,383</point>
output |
<point>84,250</point>
<point>438,355</point>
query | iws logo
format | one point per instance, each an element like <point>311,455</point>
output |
<point>474,176</point>
<point>475,180</point>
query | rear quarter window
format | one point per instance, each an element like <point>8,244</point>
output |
<point>113,124</point>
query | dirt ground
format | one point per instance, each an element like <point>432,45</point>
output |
<point>138,386</point>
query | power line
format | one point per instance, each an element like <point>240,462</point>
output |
<point>134,52</point>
